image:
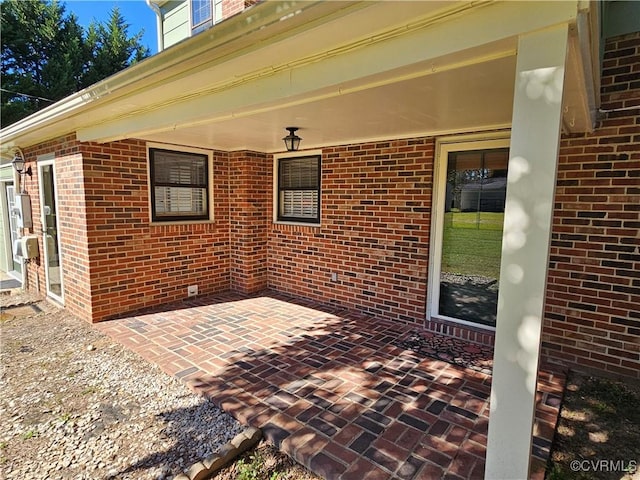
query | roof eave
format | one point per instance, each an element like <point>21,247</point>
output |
<point>251,26</point>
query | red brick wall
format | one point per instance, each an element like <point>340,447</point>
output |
<point>374,233</point>
<point>114,260</point>
<point>593,296</point>
<point>250,198</point>
<point>72,223</point>
<point>231,7</point>
<point>134,264</point>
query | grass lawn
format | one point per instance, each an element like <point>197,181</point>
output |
<point>598,435</point>
<point>472,243</point>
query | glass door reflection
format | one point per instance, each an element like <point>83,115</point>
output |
<point>472,235</point>
<point>52,260</point>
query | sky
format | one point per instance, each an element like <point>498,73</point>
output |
<point>135,12</point>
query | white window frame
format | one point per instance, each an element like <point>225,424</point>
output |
<point>276,179</point>
<point>445,146</point>
<point>180,149</point>
<point>216,16</point>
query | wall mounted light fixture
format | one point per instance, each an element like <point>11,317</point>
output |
<point>18,162</point>
<point>292,141</point>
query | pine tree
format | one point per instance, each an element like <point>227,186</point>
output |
<point>111,48</point>
<point>47,55</point>
<point>31,30</point>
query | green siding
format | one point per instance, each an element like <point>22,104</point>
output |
<point>6,173</point>
<point>176,22</point>
<point>6,177</point>
<point>4,261</point>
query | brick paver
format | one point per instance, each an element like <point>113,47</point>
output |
<point>330,387</point>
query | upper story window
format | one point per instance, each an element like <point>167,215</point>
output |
<point>298,189</point>
<point>179,185</point>
<point>204,13</point>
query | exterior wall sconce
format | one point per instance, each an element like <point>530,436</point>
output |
<point>292,141</point>
<point>18,163</point>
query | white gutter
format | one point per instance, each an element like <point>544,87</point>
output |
<point>262,22</point>
<point>56,111</point>
<point>159,23</point>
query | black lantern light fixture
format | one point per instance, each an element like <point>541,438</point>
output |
<point>18,163</point>
<point>292,141</point>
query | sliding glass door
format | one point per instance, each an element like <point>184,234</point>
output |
<point>470,214</point>
<point>50,229</point>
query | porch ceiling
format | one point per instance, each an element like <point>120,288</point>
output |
<point>459,98</point>
<point>340,71</point>
<point>379,70</point>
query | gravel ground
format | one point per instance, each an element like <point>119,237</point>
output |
<point>75,405</point>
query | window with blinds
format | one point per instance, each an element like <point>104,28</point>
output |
<point>179,185</point>
<point>299,189</point>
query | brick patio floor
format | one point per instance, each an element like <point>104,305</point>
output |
<point>330,387</point>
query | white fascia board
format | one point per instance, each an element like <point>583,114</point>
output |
<point>9,136</point>
<point>323,74</point>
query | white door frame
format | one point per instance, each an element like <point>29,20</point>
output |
<point>444,146</point>
<point>45,160</point>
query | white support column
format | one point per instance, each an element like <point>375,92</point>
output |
<point>535,138</point>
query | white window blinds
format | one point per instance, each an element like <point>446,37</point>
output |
<point>299,189</point>
<point>179,185</point>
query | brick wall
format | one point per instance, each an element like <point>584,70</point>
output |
<point>133,263</point>
<point>250,198</point>
<point>231,7</point>
<point>114,260</point>
<point>374,233</point>
<point>72,223</point>
<point>592,315</point>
